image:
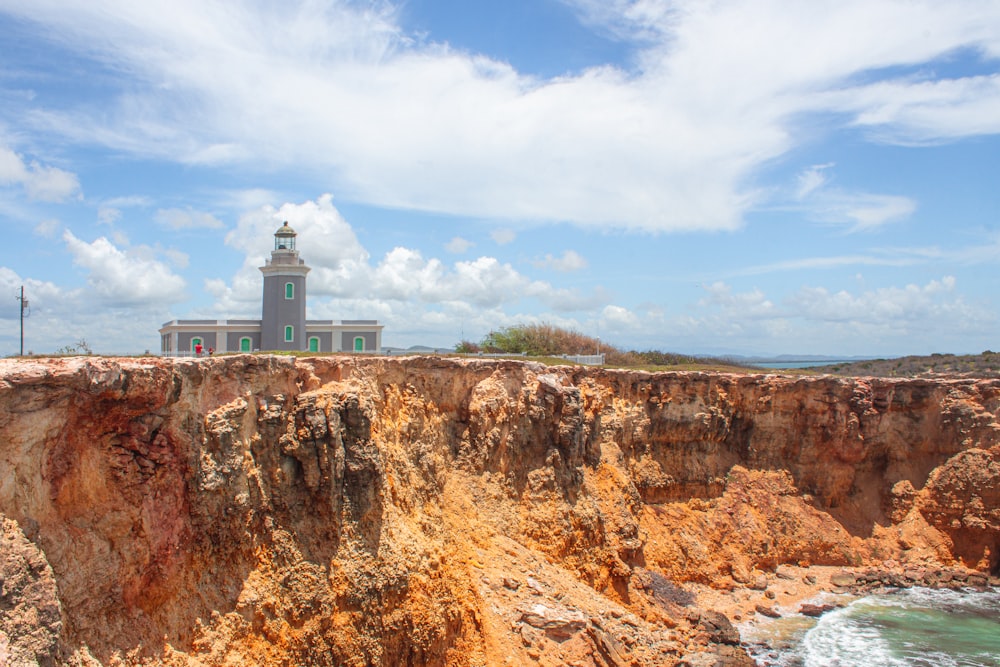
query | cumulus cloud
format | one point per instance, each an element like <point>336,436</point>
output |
<point>343,273</point>
<point>891,306</point>
<point>340,263</point>
<point>37,292</point>
<point>616,318</point>
<point>458,245</point>
<point>40,182</point>
<point>744,305</point>
<point>60,317</point>
<point>132,277</point>
<point>908,319</point>
<point>503,236</point>
<point>569,261</point>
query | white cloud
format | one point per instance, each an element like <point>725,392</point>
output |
<point>340,263</point>
<point>41,183</point>
<point>132,277</point>
<point>889,306</point>
<point>48,228</point>
<point>187,218</point>
<point>38,293</point>
<point>617,318</point>
<point>109,211</point>
<point>812,178</point>
<point>891,320</point>
<point>869,211</point>
<point>570,261</point>
<point>108,215</point>
<point>859,210</point>
<point>58,317</point>
<point>484,282</point>
<point>503,236</point>
<point>743,305</point>
<point>458,245</point>
<point>929,111</point>
<point>672,144</point>
<point>176,257</point>
<point>343,274</point>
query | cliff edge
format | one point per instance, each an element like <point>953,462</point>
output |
<point>423,511</point>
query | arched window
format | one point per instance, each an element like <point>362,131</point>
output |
<point>314,344</point>
<point>289,334</point>
<point>289,290</point>
<point>245,344</point>
<point>359,344</point>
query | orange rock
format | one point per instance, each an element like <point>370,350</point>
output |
<point>269,509</point>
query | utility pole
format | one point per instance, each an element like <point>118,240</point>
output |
<point>24,307</point>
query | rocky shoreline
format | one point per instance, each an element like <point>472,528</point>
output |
<point>827,589</point>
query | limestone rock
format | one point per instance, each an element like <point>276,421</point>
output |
<point>558,622</point>
<point>266,509</point>
<point>30,622</point>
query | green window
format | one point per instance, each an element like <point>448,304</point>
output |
<point>314,344</point>
<point>245,344</point>
<point>359,344</point>
<point>289,290</point>
<point>289,334</point>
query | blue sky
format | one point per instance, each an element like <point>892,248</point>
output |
<point>756,177</point>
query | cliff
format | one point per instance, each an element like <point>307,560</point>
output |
<point>422,511</point>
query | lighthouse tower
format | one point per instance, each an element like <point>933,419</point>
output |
<point>283,316</point>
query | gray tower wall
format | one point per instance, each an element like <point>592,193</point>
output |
<point>279,312</point>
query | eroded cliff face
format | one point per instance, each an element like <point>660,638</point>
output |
<point>420,511</point>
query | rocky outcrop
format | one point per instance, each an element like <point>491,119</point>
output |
<point>30,622</point>
<point>422,511</point>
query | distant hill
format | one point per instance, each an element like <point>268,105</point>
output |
<point>985,365</point>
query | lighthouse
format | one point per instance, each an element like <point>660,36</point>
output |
<point>283,308</point>
<point>283,326</point>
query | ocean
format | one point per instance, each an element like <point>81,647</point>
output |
<point>782,365</point>
<point>916,627</point>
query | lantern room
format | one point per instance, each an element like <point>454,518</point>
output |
<point>284,238</point>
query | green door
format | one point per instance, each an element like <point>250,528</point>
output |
<point>314,344</point>
<point>359,344</point>
<point>244,344</point>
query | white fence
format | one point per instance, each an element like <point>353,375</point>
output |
<point>585,359</point>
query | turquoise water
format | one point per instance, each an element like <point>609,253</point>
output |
<point>918,627</point>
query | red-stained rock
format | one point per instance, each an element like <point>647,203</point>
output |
<point>269,509</point>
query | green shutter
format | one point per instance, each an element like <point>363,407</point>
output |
<point>289,290</point>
